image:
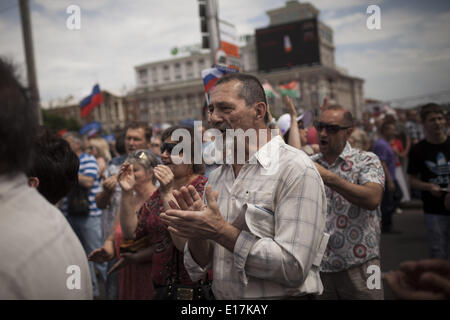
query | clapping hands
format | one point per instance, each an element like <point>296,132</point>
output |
<point>165,177</point>
<point>126,177</point>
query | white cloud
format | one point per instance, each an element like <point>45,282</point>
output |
<point>110,43</point>
<point>394,72</point>
<point>115,36</point>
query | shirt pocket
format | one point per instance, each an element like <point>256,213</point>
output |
<point>260,221</point>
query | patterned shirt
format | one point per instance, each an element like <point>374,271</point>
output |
<point>278,201</point>
<point>355,232</point>
<point>150,225</point>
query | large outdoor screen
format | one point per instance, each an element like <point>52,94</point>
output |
<point>288,45</point>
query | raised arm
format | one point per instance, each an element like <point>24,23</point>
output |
<point>294,135</point>
<point>103,198</point>
<point>128,216</point>
<point>367,193</point>
<point>165,178</point>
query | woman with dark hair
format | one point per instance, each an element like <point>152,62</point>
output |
<point>175,172</point>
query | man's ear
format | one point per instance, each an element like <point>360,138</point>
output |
<point>260,109</point>
<point>33,182</point>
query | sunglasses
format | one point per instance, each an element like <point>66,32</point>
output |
<point>168,146</point>
<point>330,128</point>
<point>141,155</point>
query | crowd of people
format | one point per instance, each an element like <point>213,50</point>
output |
<point>299,218</point>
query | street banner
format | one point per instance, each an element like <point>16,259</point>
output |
<point>270,91</point>
<point>229,42</point>
<point>291,89</point>
<point>91,128</point>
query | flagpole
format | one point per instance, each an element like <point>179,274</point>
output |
<point>29,55</point>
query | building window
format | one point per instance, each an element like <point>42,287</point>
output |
<point>189,70</point>
<point>166,73</point>
<point>315,98</point>
<point>155,75</point>
<point>142,74</point>
<point>178,75</point>
<point>116,107</point>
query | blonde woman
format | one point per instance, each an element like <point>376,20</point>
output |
<point>99,148</point>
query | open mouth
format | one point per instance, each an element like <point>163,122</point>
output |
<point>323,142</point>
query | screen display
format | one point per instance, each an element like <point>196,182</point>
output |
<point>288,45</point>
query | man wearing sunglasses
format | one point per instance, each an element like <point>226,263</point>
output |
<point>354,182</point>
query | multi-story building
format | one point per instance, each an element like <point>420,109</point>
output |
<point>110,114</point>
<point>169,90</point>
<point>295,11</point>
<point>172,90</point>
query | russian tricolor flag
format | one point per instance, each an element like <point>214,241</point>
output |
<point>91,101</point>
<point>212,75</point>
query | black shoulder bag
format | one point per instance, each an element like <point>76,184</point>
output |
<point>78,201</point>
<point>174,290</point>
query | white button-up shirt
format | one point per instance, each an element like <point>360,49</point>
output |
<point>279,203</point>
<point>39,250</point>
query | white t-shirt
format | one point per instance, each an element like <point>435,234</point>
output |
<point>41,257</point>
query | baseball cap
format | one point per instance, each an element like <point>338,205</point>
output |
<point>284,122</point>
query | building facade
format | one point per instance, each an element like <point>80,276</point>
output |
<point>111,114</point>
<point>172,90</point>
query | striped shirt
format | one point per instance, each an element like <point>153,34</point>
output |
<point>278,201</point>
<point>89,168</point>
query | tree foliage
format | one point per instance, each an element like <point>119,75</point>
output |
<point>57,123</point>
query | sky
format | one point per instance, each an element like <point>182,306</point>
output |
<point>408,56</point>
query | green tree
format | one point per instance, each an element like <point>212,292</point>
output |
<point>56,122</point>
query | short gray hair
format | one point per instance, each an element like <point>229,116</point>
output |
<point>143,157</point>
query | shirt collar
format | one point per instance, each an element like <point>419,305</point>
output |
<point>345,153</point>
<point>265,154</point>
<point>10,183</point>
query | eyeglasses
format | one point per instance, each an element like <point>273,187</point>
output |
<point>168,146</point>
<point>330,128</point>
